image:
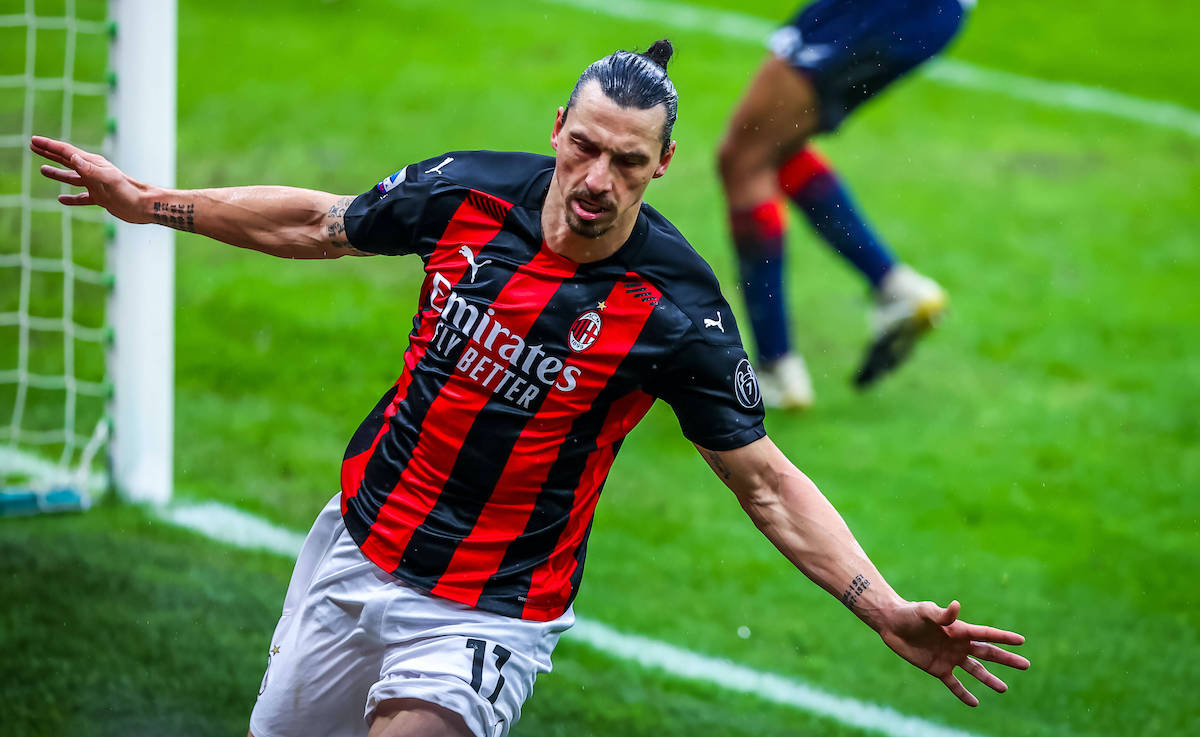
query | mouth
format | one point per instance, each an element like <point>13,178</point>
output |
<point>588,210</point>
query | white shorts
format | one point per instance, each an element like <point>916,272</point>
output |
<point>352,636</point>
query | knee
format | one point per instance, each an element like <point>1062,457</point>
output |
<point>731,158</point>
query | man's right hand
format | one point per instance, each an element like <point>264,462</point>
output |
<point>107,186</point>
<point>282,221</point>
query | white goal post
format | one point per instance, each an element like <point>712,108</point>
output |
<point>86,379</point>
<point>142,307</point>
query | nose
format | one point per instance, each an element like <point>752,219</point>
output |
<point>599,175</point>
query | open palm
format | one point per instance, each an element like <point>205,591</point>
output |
<point>936,641</point>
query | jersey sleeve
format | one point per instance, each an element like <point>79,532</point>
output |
<point>713,391</point>
<point>386,219</point>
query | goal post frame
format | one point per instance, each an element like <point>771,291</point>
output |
<point>142,305</point>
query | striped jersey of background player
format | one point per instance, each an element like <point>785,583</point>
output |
<point>829,59</point>
<point>556,307</point>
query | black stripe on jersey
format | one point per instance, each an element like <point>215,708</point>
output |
<point>365,434</point>
<point>507,589</point>
<point>581,552</point>
<point>356,515</point>
<point>492,436</point>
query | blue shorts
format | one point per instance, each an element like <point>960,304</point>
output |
<point>851,49</point>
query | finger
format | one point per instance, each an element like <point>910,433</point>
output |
<point>938,615</point>
<point>66,176</point>
<point>988,634</point>
<point>47,154</point>
<point>82,163</point>
<point>975,668</point>
<point>952,610</point>
<point>986,651</point>
<point>76,199</point>
<point>960,690</point>
<point>59,151</point>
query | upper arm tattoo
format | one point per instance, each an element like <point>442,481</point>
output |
<point>335,222</point>
<point>334,228</point>
<point>718,464</point>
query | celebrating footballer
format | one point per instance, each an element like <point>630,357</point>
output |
<point>556,308</point>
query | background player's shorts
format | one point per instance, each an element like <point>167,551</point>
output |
<point>852,49</point>
<point>352,636</point>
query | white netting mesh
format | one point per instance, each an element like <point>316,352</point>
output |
<point>53,279</point>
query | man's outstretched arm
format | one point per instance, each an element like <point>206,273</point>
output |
<point>794,515</point>
<point>282,221</point>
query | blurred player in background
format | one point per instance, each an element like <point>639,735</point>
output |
<point>832,57</point>
<point>556,308</point>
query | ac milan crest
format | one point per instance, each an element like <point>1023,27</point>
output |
<point>584,331</point>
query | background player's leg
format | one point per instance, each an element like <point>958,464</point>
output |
<point>907,303</point>
<point>772,121</point>
<point>415,718</point>
<point>809,181</point>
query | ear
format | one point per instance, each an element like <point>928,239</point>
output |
<point>558,124</point>
<point>665,161</point>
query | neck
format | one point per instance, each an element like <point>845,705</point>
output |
<point>567,243</point>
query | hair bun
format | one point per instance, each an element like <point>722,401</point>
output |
<point>660,52</point>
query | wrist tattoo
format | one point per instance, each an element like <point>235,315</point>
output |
<point>179,217</point>
<point>854,590</point>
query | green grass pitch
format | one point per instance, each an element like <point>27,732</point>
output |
<point>1039,459</point>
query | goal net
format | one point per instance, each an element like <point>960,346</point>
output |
<point>70,331</point>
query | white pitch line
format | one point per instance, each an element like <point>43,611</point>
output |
<point>737,26</point>
<point>767,686</point>
<point>230,525</point>
<point>244,530</point>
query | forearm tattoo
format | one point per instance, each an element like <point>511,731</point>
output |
<point>718,465</point>
<point>179,217</point>
<point>335,227</point>
<point>854,590</point>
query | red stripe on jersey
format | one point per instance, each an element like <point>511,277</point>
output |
<point>550,586</point>
<point>800,170</point>
<point>505,515</point>
<point>517,306</point>
<point>475,223</point>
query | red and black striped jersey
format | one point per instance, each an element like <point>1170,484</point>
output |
<point>476,476</point>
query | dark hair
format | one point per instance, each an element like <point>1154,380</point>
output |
<point>635,80</point>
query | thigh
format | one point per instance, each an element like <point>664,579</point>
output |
<point>412,718</point>
<point>771,123</point>
<point>321,661</point>
<point>851,50</point>
<point>475,664</point>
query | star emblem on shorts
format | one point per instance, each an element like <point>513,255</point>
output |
<point>275,650</point>
<point>602,305</point>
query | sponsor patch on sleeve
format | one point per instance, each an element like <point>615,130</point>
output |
<point>387,185</point>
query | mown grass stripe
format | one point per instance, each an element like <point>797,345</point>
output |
<point>244,530</point>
